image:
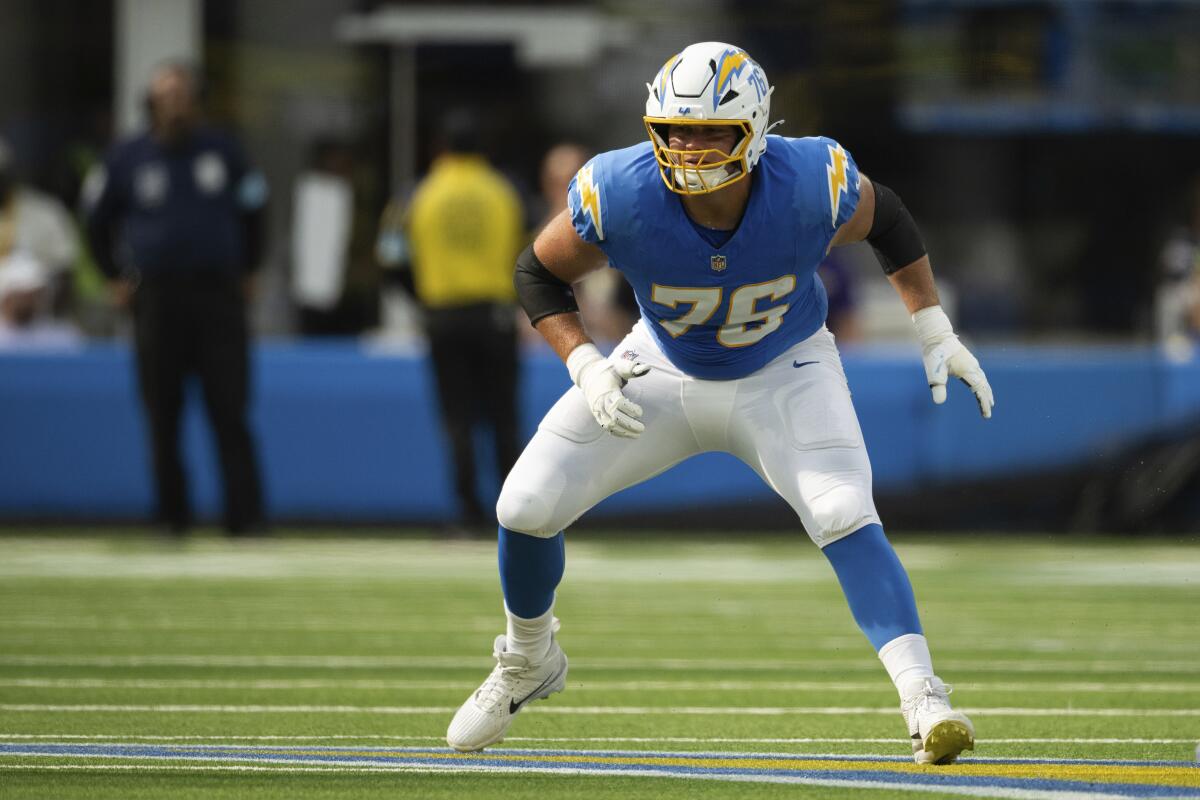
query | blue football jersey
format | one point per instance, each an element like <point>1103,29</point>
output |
<point>721,313</point>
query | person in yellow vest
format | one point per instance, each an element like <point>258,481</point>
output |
<point>459,235</point>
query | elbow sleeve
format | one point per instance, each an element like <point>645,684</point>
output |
<point>893,235</point>
<point>541,292</point>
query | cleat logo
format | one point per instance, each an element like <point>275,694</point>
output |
<point>515,705</point>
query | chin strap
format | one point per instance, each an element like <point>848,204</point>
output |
<point>694,179</point>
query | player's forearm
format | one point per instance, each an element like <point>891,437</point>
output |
<point>564,332</point>
<point>915,285</point>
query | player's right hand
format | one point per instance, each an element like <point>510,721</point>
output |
<point>601,383</point>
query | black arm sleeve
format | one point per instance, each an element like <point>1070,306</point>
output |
<point>540,292</point>
<point>893,234</point>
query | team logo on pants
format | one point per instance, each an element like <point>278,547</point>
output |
<point>718,263</point>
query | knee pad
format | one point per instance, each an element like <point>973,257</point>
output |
<point>525,512</point>
<point>839,510</point>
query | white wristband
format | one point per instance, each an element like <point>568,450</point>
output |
<point>580,358</point>
<point>933,325</point>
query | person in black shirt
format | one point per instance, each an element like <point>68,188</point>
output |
<point>174,220</point>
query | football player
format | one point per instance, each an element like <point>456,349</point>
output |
<point>719,228</point>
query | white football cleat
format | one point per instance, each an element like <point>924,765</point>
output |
<point>514,683</point>
<point>938,732</point>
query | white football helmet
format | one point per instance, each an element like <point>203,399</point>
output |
<point>710,83</point>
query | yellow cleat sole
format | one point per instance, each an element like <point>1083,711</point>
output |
<point>945,741</point>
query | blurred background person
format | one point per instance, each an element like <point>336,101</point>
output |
<point>837,274</point>
<point>605,299</point>
<point>39,224</point>
<point>1177,302</point>
<point>335,279</point>
<point>458,240</point>
<point>174,220</point>
<point>25,321</point>
<point>559,165</point>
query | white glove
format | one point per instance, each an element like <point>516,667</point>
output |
<point>944,355</point>
<point>601,382</point>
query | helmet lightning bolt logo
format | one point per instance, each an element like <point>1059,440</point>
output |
<point>732,64</point>
<point>589,199</point>
<point>837,178</point>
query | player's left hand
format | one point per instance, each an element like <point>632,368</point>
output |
<point>944,356</point>
<point>951,358</point>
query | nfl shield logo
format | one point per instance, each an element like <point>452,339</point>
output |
<point>718,263</point>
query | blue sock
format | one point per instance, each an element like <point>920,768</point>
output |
<point>530,569</point>
<point>875,584</point>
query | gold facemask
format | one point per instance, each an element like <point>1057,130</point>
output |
<point>716,169</point>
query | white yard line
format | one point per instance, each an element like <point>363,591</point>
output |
<point>124,738</point>
<point>882,786</point>
<point>585,685</point>
<point>761,711</point>
<point>1127,639</point>
<point>206,767</point>
<point>186,751</point>
<point>1133,666</point>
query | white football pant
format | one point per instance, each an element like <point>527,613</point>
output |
<point>792,422</point>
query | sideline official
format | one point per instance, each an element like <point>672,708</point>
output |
<point>174,220</point>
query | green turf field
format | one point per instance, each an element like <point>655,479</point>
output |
<point>315,666</point>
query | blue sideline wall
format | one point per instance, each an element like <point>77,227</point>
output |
<point>348,433</point>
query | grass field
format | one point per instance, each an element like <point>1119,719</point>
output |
<point>309,666</point>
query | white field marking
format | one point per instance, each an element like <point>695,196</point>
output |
<point>584,685</point>
<point>1050,665</point>
<point>720,564</point>
<point>1112,573</point>
<point>67,738</point>
<point>450,768</point>
<point>391,625</point>
<point>754,711</point>
<point>1148,649</point>
<point>267,750</point>
<point>204,768</point>
<point>599,664</point>
<point>134,633</point>
<point>384,621</point>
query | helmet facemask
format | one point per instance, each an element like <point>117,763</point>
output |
<point>715,169</point>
